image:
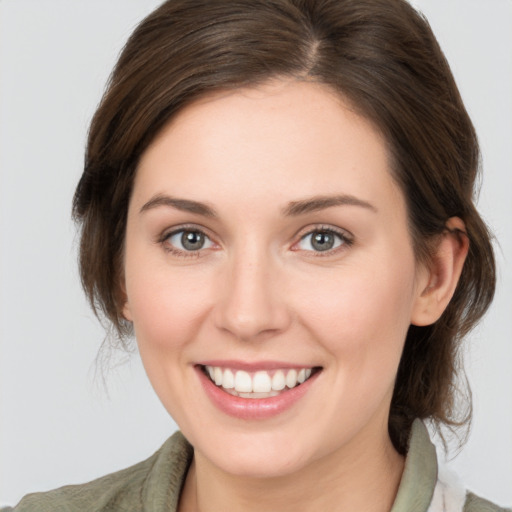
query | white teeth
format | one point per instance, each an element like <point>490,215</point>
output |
<point>258,395</point>
<point>228,382</point>
<point>278,381</point>
<point>260,384</point>
<point>291,378</point>
<point>243,382</point>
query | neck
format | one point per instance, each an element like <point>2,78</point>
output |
<point>361,476</point>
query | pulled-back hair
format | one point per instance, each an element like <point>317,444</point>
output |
<point>379,55</point>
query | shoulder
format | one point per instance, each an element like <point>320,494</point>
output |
<point>159,478</point>
<point>475,504</point>
<point>110,491</point>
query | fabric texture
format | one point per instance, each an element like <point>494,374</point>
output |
<point>155,484</point>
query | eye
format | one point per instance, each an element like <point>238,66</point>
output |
<point>188,240</point>
<point>322,240</point>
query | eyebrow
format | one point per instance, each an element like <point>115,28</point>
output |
<point>185,205</point>
<point>317,203</point>
<point>293,209</point>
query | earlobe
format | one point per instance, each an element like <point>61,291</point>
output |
<point>442,276</point>
<point>126,312</point>
<point>123,299</point>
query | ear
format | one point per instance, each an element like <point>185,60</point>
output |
<point>123,300</point>
<point>437,283</point>
<point>126,312</point>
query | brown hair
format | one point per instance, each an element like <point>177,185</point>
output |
<point>381,56</point>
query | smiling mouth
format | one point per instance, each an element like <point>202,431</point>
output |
<point>259,384</point>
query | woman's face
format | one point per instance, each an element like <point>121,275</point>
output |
<point>267,242</point>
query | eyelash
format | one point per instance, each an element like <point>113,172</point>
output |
<point>346,241</point>
<point>168,247</point>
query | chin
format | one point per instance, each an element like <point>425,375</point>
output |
<point>259,463</point>
<point>270,454</point>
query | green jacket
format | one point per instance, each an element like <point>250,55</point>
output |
<point>154,485</point>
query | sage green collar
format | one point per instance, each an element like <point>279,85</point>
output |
<point>420,473</point>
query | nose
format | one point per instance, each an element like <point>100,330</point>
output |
<point>252,302</point>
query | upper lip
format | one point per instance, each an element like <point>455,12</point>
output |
<point>253,366</point>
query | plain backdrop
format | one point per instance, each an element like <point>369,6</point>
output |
<point>59,421</point>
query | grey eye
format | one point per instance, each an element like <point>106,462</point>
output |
<point>321,241</point>
<point>189,240</point>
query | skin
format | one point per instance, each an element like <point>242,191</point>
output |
<point>258,291</point>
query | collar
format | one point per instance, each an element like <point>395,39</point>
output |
<point>420,473</point>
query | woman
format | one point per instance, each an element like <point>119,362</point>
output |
<point>277,201</point>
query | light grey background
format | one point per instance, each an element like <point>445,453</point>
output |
<point>58,425</point>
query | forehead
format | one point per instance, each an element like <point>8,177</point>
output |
<point>285,138</point>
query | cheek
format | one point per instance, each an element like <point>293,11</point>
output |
<point>363,312</point>
<point>361,320</point>
<point>166,307</point>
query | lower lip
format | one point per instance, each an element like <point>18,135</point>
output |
<point>253,408</point>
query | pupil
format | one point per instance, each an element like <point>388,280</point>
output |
<point>322,241</point>
<point>192,240</point>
